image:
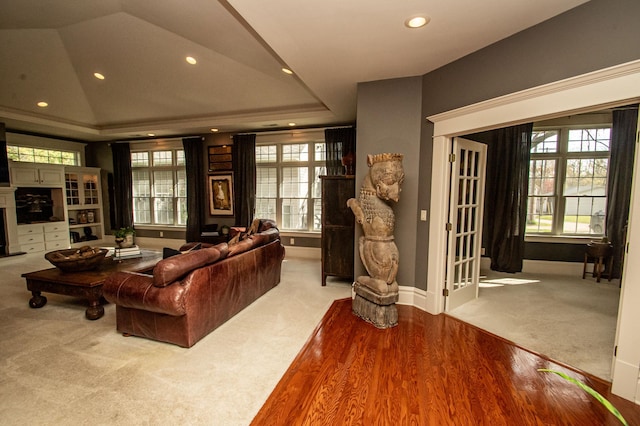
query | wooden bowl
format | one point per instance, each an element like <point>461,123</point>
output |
<point>77,260</point>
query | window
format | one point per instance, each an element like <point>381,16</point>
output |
<point>41,155</point>
<point>288,185</point>
<point>568,181</point>
<point>159,187</point>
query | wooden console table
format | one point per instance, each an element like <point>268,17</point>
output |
<point>85,284</point>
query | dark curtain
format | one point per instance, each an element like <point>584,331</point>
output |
<point>196,188</point>
<point>244,168</point>
<point>339,142</point>
<point>123,185</point>
<point>623,138</point>
<point>506,193</point>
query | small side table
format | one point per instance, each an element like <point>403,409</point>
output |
<point>598,252</point>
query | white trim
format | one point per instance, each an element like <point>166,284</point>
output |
<point>617,85</point>
<point>609,87</point>
<point>412,296</point>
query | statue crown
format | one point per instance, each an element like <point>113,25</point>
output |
<point>379,158</point>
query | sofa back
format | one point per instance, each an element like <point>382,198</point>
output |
<point>175,267</point>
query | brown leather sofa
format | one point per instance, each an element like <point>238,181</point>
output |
<point>189,295</point>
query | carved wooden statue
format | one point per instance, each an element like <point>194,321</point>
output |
<point>377,293</point>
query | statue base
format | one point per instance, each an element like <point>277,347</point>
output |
<point>376,309</point>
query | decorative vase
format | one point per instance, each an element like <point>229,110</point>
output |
<point>82,217</point>
<point>348,163</point>
<point>125,242</point>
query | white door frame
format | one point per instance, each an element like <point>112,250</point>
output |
<point>618,85</point>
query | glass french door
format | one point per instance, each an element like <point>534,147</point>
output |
<point>464,228</point>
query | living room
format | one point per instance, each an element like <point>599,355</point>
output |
<point>391,117</point>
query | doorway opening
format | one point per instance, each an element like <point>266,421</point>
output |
<point>615,86</point>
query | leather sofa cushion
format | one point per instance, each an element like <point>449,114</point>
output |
<point>255,240</point>
<point>173,268</point>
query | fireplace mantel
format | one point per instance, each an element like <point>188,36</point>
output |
<point>8,203</point>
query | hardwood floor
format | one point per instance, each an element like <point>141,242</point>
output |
<point>429,370</point>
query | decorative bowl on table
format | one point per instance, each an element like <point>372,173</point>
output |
<point>76,260</point>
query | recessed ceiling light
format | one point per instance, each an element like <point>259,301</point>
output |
<point>98,75</point>
<point>287,71</point>
<point>292,124</point>
<point>151,134</point>
<point>214,130</point>
<point>191,60</point>
<point>42,104</point>
<point>417,21</point>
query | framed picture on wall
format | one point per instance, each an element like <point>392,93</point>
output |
<point>221,194</point>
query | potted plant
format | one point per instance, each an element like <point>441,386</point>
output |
<point>124,236</point>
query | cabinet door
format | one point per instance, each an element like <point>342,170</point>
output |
<point>72,190</point>
<point>338,251</point>
<point>90,189</point>
<point>53,177</point>
<point>24,176</point>
<point>335,193</point>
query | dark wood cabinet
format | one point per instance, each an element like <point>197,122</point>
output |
<point>337,227</point>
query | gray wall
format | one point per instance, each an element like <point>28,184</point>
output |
<point>389,120</point>
<point>596,35</point>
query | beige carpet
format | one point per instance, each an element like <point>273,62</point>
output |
<point>56,367</point>
<point>563,317</point>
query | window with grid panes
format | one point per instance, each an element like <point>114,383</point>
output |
<point>159,187</point>
<point>42,155</point>
<point>288,185</point>
<point>568,181</point>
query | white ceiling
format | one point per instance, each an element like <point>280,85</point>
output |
<point>49,50</point>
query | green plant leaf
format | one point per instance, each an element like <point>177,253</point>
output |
<point>601,399</point>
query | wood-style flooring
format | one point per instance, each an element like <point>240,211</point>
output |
<point>429,370</point>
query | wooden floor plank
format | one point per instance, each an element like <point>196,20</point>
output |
<point>429,370</point>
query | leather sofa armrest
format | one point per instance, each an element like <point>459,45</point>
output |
<point>173,268</point>
<point>133,290</point>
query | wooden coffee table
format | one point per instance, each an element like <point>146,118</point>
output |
<point>85,284</point>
